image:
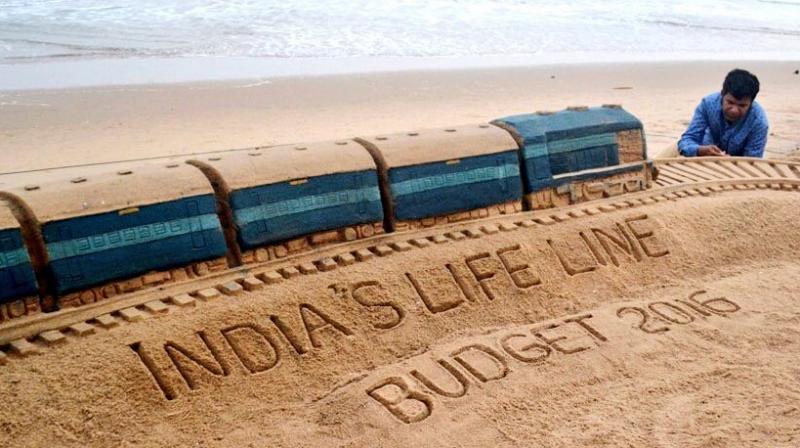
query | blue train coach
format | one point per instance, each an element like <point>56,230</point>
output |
<point>445,175</point>
<point>577,145</point>
<point>124,224</point>
<point>297,192</point>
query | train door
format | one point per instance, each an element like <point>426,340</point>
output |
<point>196,230</point>
<point>71,268</point>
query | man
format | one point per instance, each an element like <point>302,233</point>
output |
<point>729,123</point>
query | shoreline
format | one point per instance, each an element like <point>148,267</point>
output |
<point>36,74</point>
<point>105,125</point>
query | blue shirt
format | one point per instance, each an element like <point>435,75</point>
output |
<point>745,137</point>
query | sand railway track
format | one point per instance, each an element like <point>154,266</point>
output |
<point>681,171</point>
<point>677,179</point>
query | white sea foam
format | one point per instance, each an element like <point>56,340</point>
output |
<point>260,83</point>
<point>36,31</point>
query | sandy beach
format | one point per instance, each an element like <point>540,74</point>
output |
<point>534,329</point>
<point>64,127</point>
<point>382,238</point>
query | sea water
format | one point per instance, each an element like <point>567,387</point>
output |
<point>47,43</point>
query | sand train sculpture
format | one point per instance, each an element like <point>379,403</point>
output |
<point>73,243</point>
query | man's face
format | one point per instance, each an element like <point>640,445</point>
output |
<point>735,108</point>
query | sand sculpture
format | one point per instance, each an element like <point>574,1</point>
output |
<point>610,293</point>
<point>94,239</point>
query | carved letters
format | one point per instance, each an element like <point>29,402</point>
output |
<point>416,395</point>
<point>411,397</point>
<point>209,356</point>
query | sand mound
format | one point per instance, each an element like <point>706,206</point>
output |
<point>671,324</point>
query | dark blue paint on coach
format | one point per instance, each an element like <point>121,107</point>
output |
<point>89,250</point>
<point>17,278</point>
<point>282,211</point>
<point>570,141</point>
<point>441,188</point>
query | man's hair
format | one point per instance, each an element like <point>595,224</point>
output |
<point>741,84</point>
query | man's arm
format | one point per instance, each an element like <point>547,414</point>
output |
<point>756,142</point>
<point>693,137</point>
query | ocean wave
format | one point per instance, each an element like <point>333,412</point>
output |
<point>346,28</point>
<point>732,29</point>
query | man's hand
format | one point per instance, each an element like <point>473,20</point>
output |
<point>710,151</point>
